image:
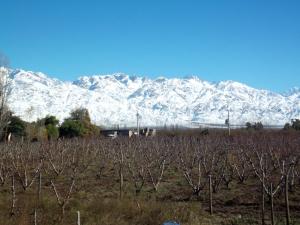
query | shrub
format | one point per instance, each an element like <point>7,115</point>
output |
<point>255,126</point>
<point>34,132</point>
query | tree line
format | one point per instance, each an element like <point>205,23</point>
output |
<point>78,124</point>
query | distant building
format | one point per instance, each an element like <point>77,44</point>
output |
<point>114,133</point>
<point>148,132</point>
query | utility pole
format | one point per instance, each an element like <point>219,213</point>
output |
<point>137,123</point>
<point>228,119</point>
<point>227,97</point>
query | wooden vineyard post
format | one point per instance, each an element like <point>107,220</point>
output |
<point>13,192</point>
<point>35,217</point>
<point>78,218</point>
<point>210,196</point>
<point>287,207</point>
<point>40,186</point>
<point>262,201</point>
<point>121,174</point>
<point>272,205</point>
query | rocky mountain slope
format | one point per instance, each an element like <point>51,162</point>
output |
<point>115,99</point>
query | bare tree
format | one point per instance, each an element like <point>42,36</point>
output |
<point>190,159</point>
<point>240,166</point>
<point>27,164</point>
<point>156,161</point>
<point>272,165</point>
<point>63,173</point>
<point>5,164</point>
<point>5,91</point>
<point>136,167</point>
<point>213,163</point>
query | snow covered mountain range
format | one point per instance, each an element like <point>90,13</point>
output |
<point>115,99</point>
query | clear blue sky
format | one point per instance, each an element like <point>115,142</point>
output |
<point>252,41</point>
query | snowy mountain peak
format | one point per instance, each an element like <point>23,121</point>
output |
<point>293,91</point>
<point>115,99</point>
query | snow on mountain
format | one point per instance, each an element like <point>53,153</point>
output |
<point>295,91</point>
<point>115,99</point>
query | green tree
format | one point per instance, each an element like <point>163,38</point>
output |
<point>296,124</point>
<point>51,120</point>
<point>258,126</point>
<point>255,126</point>
<point>80,114</point>
<point>248,125</point>
<point>52,131</point>
<point>287,126</point>
<point>50,123</point>
<point>71,128</point>
<point>79,124</point>
<point>16,126</point>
